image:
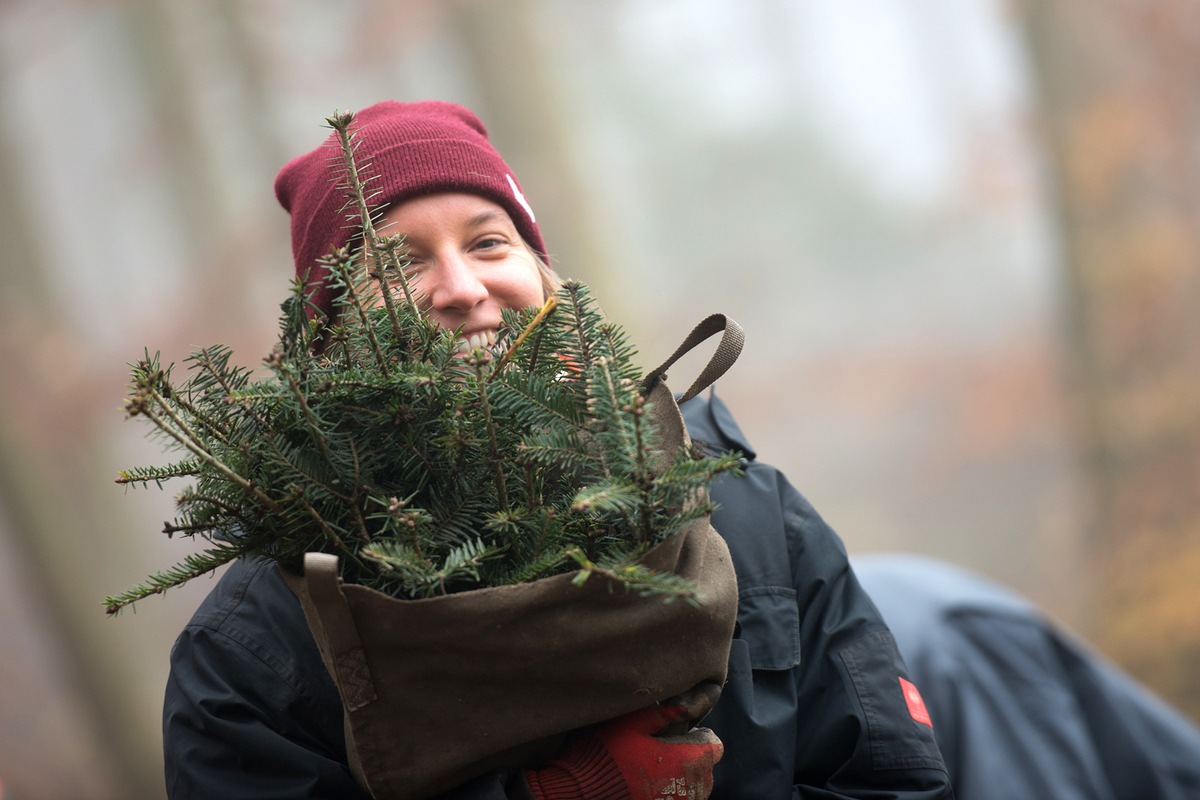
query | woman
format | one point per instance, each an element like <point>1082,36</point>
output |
<point>817,699</point>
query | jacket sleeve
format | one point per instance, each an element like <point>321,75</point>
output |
<point>861,725</point>
<point>234,727</point>
<point>816,704</point>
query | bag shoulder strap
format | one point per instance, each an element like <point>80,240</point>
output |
<point>727,352</point>
<point>349,660</point>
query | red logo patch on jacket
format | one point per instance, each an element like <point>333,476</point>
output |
<point>916,705</point>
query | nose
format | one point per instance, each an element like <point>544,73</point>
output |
<point>456,285</point>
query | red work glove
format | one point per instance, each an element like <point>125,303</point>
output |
<point>624,760</point>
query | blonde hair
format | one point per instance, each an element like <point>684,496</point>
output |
<point>551,282</point>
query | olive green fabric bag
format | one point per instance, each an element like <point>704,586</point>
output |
<point>437,691</point>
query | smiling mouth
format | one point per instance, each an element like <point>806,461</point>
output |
<point>480,340</point>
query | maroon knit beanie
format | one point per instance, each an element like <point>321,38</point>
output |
<point>408,150</point>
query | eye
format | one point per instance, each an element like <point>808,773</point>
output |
<point>491,244</point>
<point>416,262</point>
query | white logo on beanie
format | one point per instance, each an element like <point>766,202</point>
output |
<point>521,198</point>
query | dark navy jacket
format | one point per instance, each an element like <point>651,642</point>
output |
<point>813,707</point>
<point>1021,708</point>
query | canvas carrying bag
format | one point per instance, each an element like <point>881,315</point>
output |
<point>437,691</point>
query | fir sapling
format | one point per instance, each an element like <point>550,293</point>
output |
<point>425,469</point>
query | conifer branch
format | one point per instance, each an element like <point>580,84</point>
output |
<point>192,566</point>
<point>489,421</point>
<point>391,251</point>
<point>310,419</point>
<point>371,241</point>
<point>424,471</point>
<point>156,475</point>
<point>541,316</point>
<point>340,266</point>
<point>187,438</point>
<point>572,288</point>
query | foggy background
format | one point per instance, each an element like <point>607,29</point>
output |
<point>962,237</point>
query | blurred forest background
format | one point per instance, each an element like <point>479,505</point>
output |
<point>963,237</point>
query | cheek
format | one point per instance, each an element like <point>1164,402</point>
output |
<point>525,287</point>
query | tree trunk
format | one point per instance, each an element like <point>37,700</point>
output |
<point>77,699</point>
<point>1120,88</point>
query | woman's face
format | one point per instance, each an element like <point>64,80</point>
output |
<point>467,261</point>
